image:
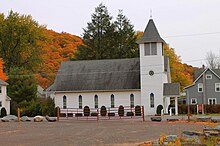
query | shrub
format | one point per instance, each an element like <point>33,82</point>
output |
<point>159,108</point>
<point>111,114</point>
<point>13,107</point>
<point>137,110</point>
<point>211,108</point>
<point>130,114</point>
<point>69,114</point>
<point>86,111</point>
<point>193,109</point>
<point>182,109</point>
<point>62,115</point>
<point>48,107</point>
<point>78,115</point>
<point>3,112</point>
<point>32,108</point>
<point>121,111</point>
<point>94,114</point>
<point>103,111</point>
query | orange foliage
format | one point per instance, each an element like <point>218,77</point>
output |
<point>2,74</point>
<point>57,47</point>
<point>180,73</point>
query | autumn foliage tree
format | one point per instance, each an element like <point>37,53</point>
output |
<point>57,47</point>
<point>180,73</point>
<point>3,76</point>
<point>19,47</point>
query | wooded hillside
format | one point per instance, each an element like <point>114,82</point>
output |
<point>57,47</point>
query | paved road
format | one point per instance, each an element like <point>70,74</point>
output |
<point>86,133</point>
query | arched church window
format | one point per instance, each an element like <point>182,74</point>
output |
<point>80,101</point>
<point>152,100</point>
<point>132,100</point>
<point>96,101</point>
<point>64,101</point>
<point>112,101</point>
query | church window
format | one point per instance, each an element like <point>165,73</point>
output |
<point>132,100</point>
<point>0,103</point>
<point>112,101</point>
<point>0,89</point>
<point>96,101</point>
<point>80,101</point>
<point>150,49</point>
<point>64,101</point>
<point>152,100</point>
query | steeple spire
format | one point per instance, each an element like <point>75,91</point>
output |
<point>150,34</point>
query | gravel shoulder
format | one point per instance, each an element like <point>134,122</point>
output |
<point>86,133</point>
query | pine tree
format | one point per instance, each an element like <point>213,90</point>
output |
<point>103,39</point>
<point>97,36</point>
<point>126,46</point>
<point>23,86</point>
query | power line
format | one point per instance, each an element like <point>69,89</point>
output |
<point>195,34</point>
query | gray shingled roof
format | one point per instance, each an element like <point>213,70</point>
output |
<point>171,89</point>
<point>104,75</point>
<point>197,73</point>
<point>115,74</point>
<point>3,83</point>
<point>150,34</point>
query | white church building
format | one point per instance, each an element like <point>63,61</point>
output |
<point>4,99</point>
<point>143,81</point>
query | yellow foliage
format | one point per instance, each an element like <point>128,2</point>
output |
<point>181,73</point>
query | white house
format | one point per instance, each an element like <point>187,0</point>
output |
<point>141,81</point>
<point>4,99</point>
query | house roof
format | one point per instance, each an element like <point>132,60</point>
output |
<point>171,89</point>
<point>90,75</point>
<point>103,75</point>
<point>151,34</point>
<point>198,74</point>
<point>3,83</point>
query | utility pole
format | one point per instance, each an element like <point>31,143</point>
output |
<point>188,108</point>
<point>204,90</point>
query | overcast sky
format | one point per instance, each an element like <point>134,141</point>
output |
<point>191,27</point>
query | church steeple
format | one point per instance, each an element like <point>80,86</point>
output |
<point>151,34</point>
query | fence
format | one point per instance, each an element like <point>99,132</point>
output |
<point>103,113</point>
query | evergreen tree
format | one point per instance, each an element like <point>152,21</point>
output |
<point>23,87</point>
<point>125,40</point>
<point>103,39</point>
<point>97,37</point>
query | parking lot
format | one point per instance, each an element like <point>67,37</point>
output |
<point>84,133</point>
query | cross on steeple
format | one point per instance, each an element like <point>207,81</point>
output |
<point>150,13</point>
